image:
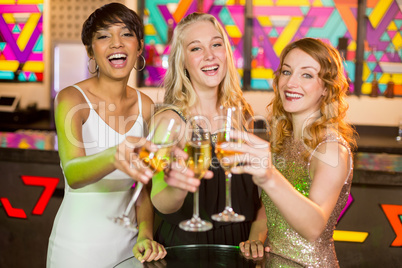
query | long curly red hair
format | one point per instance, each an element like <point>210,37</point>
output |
<point>333,106</point>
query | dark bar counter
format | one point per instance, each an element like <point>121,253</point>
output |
<point>211,256</point>
<point>376,202</point>
<point>367,234</point>
<point>26,175</point>
<point>378,139</point>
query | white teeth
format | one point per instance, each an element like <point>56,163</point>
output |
<point>293,95</point>
<point>209,68</point>
<point>117,56</point>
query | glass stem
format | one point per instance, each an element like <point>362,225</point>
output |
<point>196,209</point>
<point>228,189</point>
<point>137,192</point>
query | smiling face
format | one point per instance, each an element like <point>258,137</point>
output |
<point>205,55</point>
<point>115,49</point>
<point>299,85</point>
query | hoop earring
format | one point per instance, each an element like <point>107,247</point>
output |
<point>96,68</point>
<point>143,65</point>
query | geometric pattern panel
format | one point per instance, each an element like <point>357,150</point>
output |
<point>276,23</point>
<point>21,33</point>
<point>21,41</point>
<point>383,46</point>
<point>349,236</point>
<point>394,215</point>
<point>160,18</point>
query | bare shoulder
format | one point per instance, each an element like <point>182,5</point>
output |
<point>168,114</point>
<point>145,98</point>
<point>330,153</point>
<point>147,106</point>
<point>70,102</point>
<point>69,96</point>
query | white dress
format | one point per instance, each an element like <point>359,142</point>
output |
<point>83,234</point>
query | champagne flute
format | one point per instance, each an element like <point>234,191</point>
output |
<point>230,119</point>
<point>163,134</point>
<point>198,148</point>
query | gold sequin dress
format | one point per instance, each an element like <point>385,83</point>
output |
<point>283,239</point>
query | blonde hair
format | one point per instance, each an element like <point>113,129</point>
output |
<point>178,88</point>
<point>333,105</point>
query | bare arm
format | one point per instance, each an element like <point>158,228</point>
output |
<point>258,233</point>
<point>145,215</point>
<point>165,198</point>
<point>146,249</point>
<point>259,226</point>
<point>170,187</point>
<point>71,111</point>
<point>308,216</point>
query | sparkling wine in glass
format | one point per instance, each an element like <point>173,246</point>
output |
<point>198,149</point>
<point>164,135</point>
<point>230,119</point>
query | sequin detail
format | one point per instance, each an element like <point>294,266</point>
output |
<point>214,138</point>
<point>283,239</point>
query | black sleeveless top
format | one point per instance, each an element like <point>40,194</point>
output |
<point>245,201</point>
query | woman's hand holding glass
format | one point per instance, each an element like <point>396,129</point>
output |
<point>255,155</point>
<point>178,175</point>
<point>141,158</point>
<point>126,157</point>
<point>155,153</point>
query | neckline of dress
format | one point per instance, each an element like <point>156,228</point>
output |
<point>104,122</point>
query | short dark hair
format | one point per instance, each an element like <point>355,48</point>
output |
<point>109,14</point>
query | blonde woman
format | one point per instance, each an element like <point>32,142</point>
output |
<point>201,77</point>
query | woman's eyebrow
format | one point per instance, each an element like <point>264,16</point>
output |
<point>198,41</point>
<point>193,42</point>
<point>304,67</point>
<point>108,26</point>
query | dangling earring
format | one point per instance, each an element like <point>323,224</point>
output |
<point>96,68</point>
<point>186,73</point>
<point>143,64</point>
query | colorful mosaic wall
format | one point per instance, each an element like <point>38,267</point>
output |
<point>276,23</point>
<point>383,46</point>
<point>279,22</point>
<point>29,139</point>
<point>21,41</point>
<point>161,17</point>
